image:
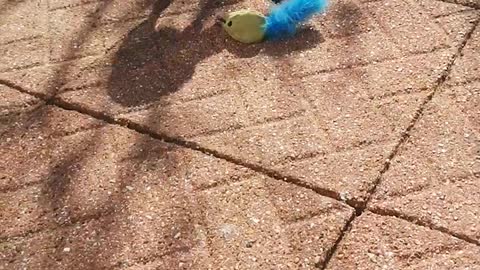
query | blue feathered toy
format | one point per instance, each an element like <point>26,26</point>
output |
<point>282,21</point>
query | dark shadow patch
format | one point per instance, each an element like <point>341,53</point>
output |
<point>348,18</point>
<point>150,64</point>
<point>305,39</point>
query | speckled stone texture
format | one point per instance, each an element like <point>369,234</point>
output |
<point>377,242</point>
<point>467,67</point>
<point>135,134</point>
<point>14,106</point>
<point>435,176</point>
<point>88,195</point>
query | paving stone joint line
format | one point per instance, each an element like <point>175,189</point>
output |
<point>360,209</point>
<point>423,223</point>
<point>465,4</point>
<point>418,114</point>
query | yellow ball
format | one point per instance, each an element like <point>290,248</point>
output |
<point>245,26</point>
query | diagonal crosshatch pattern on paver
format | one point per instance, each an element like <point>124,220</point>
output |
<point>14,106</point>
<point>468,3</point>
<point>378,242</point>
<point>234,115</point>
<point>441,9</point>
<point>406,23</point>
<point>434,177</point>
<point>468,66</point>
<point>23,34</point>
<point>22,20</point>
<point>458,24</point>
<point>93,195</point>
<point>174,66</point>
<point>333,260</point>
<point>66,30</point>
<point>335,60</point>
<point>234,119</point>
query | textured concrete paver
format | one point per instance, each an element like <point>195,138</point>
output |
<point>14,106</point>
<point>230,110</point>
<point>92,195</point>
<point>467,67</point>
<point>377,242</point>
<point>434,177</point>
<point>47,80</point>
<point>30,146</point>
<point>213,98</point>
<point>324,110</point>
<point>245,231</point>
<point>410,28</point>
<point>22,20</point>
<point>442,8</point>
<point>23,34</point>
<point>24,53</point>
<point>457,25</point>
<point>98,30</point>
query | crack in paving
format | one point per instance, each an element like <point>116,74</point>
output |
<point>360,208</point>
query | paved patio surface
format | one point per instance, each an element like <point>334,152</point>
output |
<point>135,135</point>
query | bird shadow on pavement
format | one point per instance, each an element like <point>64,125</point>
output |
<point>160,55</point>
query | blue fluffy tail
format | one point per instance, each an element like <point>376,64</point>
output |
<point>283,19</point>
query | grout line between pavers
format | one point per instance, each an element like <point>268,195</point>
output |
<point>360,209</point>
<point>334,247</point>
<point>418,114</point>
<point>465,4</point>
<point>20,89</point>
<point>423,223</point>
<point>54,101</point>
<point>142,129</point>
<point>57,102</point>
